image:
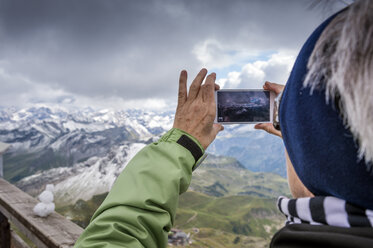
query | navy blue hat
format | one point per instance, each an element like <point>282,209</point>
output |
<point>322,150</point>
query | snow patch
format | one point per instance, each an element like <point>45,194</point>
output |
<point>97,178</point>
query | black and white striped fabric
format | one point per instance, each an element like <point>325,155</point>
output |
<point>326,210</point>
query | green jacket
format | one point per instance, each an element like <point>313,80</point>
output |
<point>140,209</point>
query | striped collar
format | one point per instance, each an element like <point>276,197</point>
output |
<point>324,210</point>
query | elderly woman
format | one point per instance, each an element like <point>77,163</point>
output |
<point>326,115</point>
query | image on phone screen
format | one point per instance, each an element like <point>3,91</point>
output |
<point>246,106</point>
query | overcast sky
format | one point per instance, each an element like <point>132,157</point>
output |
<point>128,53</point>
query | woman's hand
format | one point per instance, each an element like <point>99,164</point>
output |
<point>268,127</point>
<point>195,113</point>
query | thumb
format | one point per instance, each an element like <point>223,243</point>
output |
<point>277,88</point>
<point>216,128</point>
<point>268,127</point>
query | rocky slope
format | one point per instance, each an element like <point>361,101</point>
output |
<point>75,148</point>
<point>44,138</point>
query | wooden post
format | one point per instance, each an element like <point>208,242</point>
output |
<point>1,166</point>
<point>4,232</point>
<point>54,231</point>
<point>16,241</point>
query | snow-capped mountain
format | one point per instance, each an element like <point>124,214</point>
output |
<point>35,128</point>
<point>85,179</point>
<point>83,151</point>
<point>45,138</point>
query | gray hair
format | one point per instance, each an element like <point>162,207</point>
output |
<point>342,64</point>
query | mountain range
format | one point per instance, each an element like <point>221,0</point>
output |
<point>70,147</point>
<point>231,199</point>
<point>43,138</point>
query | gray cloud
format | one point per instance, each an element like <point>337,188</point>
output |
<point>134,49</point>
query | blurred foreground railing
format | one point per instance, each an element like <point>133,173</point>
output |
<point>16,208</point>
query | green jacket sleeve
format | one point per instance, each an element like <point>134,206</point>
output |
<point>139,210</point>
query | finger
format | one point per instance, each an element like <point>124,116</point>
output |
<point>263,126</point>
<point>196,84</point>
<point>208,89</point>
<point>216,128</point>
<point>258,126</point>
<point>269,128</point>
<point>217,87</point>
<point>277,88</point>
<point>182,95</point>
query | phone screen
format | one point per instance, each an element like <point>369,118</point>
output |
<point>243,106</point>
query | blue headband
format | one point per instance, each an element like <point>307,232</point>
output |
<point>322,150</point>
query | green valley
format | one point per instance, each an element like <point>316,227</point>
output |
<point>225,206</point>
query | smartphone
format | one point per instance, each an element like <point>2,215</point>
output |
<point>237,106</point>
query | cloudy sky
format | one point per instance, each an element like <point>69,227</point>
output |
<point>128,53</point>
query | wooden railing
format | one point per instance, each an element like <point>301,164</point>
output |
<point>16,208</point>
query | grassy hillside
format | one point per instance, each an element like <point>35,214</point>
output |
<point>82,211</point>
<point>226,206</point>
<point>231,221</point>
<point>245,215</point>
<point>224,176</point>
<point>214,238</point>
